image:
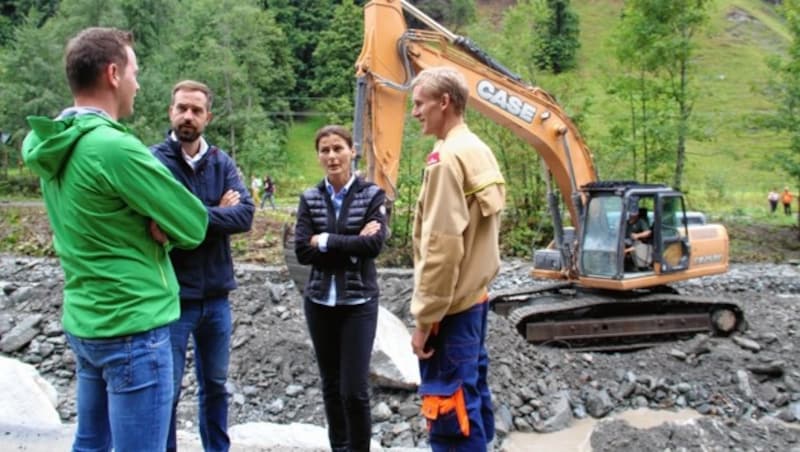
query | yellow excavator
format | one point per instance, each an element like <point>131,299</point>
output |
<point>607,292</point>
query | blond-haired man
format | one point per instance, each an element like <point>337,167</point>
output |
<point>456,256</point>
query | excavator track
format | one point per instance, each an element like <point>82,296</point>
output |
<point>566,316</point>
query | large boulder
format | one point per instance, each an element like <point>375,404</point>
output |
<point>26,399</point>
<point>393,363</point>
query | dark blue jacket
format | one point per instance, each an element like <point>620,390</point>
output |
<point>207,271</point>
<point>350,257</point>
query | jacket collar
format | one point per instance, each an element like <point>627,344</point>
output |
<point>356,184</point>
<point>175,151</point>
<point>329,187</point>
<point>193,161</point>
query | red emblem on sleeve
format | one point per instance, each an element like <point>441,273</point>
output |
<point>433,157</point>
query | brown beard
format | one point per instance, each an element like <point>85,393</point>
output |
<point>187,134</point>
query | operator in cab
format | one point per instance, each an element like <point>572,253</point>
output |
<point>637,238</point>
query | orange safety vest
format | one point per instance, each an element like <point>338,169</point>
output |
<point>787,197</point>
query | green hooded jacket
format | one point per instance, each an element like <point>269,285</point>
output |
<point>101,187</point>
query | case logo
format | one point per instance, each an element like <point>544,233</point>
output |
<point>708,259</point>
<point>505,101</point>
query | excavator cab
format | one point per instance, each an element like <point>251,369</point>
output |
<point>632,239</point>
<point>613,212</point>
<point>599,252</point>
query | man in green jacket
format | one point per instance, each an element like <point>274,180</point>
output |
<point>107,197</point>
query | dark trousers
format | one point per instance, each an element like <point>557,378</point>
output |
<point>342,338</point>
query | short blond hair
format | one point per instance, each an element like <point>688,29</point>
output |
<point>192,85</point>
<point>438,81</point>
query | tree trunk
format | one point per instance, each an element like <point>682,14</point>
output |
<point>5,160</point>
<point>680,157</point>
<point>229,107</point>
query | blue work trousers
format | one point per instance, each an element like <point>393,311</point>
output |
<point>209,323</point>
<point>124,391</point>
<point>455,374</point>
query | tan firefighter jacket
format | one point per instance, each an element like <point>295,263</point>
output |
<point>456,227</point>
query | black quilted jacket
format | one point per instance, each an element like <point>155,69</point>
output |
<point>349,257</point>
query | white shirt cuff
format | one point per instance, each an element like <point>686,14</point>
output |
<point>322,242</point>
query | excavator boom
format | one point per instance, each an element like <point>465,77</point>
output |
<point>597,300</point>
<point>392,54</point>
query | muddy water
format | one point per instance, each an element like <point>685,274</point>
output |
<point>576,438</point>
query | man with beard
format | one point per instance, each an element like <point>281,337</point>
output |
<point>205,274</point>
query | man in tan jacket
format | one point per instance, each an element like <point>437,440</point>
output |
<point>456,256</point>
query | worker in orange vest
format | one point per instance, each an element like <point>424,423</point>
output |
<point>786,199</point>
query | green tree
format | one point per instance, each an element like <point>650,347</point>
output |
<point>522,41</point>
<point>234,46</point>
<point>337,50</point>
<point>641,148</point>
<point>151,33</point>
<point>785,88</point>
<point>6,29</point>
<point>303,22</point>
<point>516,46</point>
<point>35,85</point>
<point>46,92</point>
<point>75,15</point>
<point>541,34</point>
<point>655,42</point>
<point>240,51</point>
<point>561,42</point>
<point>149,20</point>
<point>14,12</point>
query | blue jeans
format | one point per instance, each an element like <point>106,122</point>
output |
<point>264,200</point>
<point>460,362</point>
<point>209,323</point>
<point>124,391</point>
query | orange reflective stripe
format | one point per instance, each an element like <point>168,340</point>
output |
<point>461,412</point>
<point>433,406</point>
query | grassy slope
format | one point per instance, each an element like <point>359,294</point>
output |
<point>726,174</point>
<point>302,156</point>
<point>730,69</point>
<point>734,71</point>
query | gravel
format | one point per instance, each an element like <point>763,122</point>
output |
<point>748,384</point>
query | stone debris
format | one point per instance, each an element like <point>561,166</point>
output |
<point>747,383</point>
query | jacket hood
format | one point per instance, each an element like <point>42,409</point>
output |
<point>48,146</point>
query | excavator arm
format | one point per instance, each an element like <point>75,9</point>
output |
<point>392,54</point>
<point>598,301</point>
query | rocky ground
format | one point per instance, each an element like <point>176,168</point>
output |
<point>749,384</point>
